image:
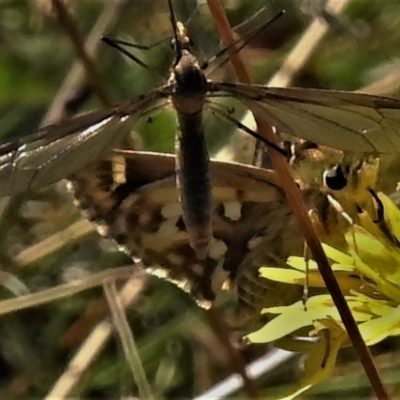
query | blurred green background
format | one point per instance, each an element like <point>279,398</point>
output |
<point>179,352</point>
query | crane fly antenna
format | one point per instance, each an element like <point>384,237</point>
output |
<point>116,44</point>
<point>178,47</point>
<point>134,45</point>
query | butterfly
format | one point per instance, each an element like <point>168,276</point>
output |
<point>344,120</point>
<point>252,225</point>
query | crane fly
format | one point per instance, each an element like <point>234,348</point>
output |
<point>343,120</point>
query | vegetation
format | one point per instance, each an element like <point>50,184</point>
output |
<point>45,242</point>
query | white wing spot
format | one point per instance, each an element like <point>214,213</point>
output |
<point>171,211</point>
<point>233,210</point>
<point>168,227</point>
<point>217,249</point>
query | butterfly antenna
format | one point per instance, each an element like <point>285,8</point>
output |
<point>251,35</point>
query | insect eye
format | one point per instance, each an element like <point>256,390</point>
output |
<point>335,178</point>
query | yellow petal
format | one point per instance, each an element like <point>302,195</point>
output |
<point>294,317</point>
<point>320,363</point>
<point>291,276</point>
<point>380,256</point>
<point>300,264</point>
<point>287,323</point>
<point>380,328</point>
<point>282,275</point>
<point>337,256</point>
<point>370,226</point>
<point>342,267</point>
<point>391,215</point>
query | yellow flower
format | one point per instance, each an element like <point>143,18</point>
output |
<point>368,272</point>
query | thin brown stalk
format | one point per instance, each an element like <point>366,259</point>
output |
<point>127,340</point>
<point>93,345</point>
<point>236,360</point>
<point>66,290</point>
<point>73,233</point>
<point>67,21</point>
<point>74,84</point>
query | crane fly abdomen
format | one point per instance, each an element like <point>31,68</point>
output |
<point>192,176</point>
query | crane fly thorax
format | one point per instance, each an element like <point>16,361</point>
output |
<point>190,85</point>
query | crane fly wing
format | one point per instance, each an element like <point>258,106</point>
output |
<point>57,151</point>
<point>42,166</point>
<point>342,120</point>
